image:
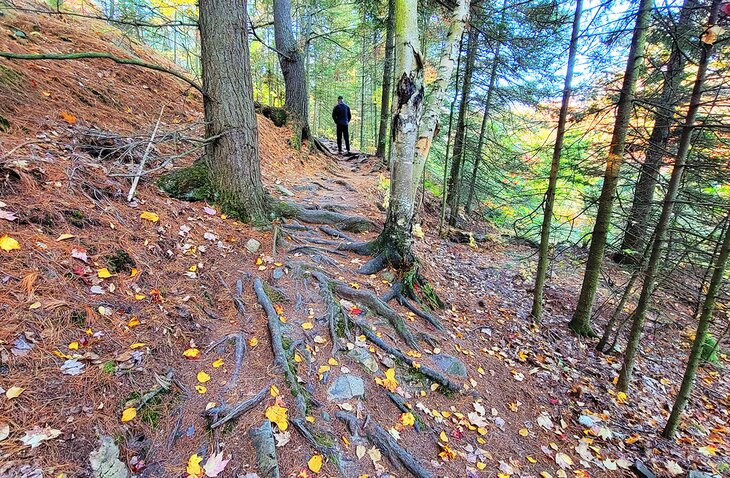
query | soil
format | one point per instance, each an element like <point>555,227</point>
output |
<point>172,283</point>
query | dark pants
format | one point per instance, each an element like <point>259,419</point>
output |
<point>342,130</point>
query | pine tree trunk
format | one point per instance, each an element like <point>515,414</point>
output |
<point>652,268</point>
<point>387,74</point>
<point>544,258</point>
<point>454,191</point>
<point>437,92</point>
<point>581,321</point>
<point>296,99</point>
<point>637,224</point>
<point>232,160</point>
<point>708,307</point>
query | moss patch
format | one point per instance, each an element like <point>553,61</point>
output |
<point>187,184</point>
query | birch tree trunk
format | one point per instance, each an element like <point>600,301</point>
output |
<point>544,259</point>
<point>581,321</point>
<point>437,93</point>
<point>232,160</point>
<point>387,74</point>
<point>292,67</point>
<point>652,268</point>
<point>635,235</point>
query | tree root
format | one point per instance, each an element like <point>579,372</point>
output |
<point>396,292</point>
<point>314,249</point>
<point>374,265</point>
<point>321,216</point>
<point>330,231</point>
<point>361,248</point>
<point>380,437</point>
<point>263,442</point>
<point>230,413</point>
<point>334,310</point>
<point>238,356</point>
<point>323,442</point>
<point>405,408</point>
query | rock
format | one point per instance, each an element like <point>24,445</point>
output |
<point>701,474</point>
<point>388,276</point>
<point>105,461</point>
<point>278,273</point>
<point>364,358</point>
<point>326,416</point>
<point>252,245</point>
<point>263,442</point>
<point>346,387</point>
<point>586,421</point>
<point>451,365</point>
<point>641,470</point>
<point>388,361</point>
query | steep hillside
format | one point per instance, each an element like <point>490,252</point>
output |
<point>140,322</point>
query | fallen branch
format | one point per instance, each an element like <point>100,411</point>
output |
<point>147,150</point>
<point>237,410</point>
<point>98,54</point>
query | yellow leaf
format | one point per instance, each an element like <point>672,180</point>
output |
<point>14,392</point>
<point>193,268</point>
<point>34,305</point>
<point>274,391</point>
<point>193,467</point>
<point>278,415</point>
<point>407,419</point>
<point>191,353</point>
<point>60,354</point>
<point>621,397</point>
<point>68,117</point>
<point>134,272</point>
<point>309,418</point>
<point>150,216</point>
<point>218,363</point>
<point>253,342</point>
<point>481,465</point>
<point>323,368</point>
<point>129,414</point>
<point>200,389</point>
<point>315,463</point>
<point>297,358</point>
<point>73,346</point>
<point>333,361</point>
<point>133,322</point>
<point>307,326</point>
<point>8,244</point>
<point>137,345</point>
<point>203,377</point>
<point>389,381</point>
<point>139,296</point>
<point>524,432</point>
<point>531,459</point>
<point>103,273</point>
<point>443,437</point>
<point>63,237</point>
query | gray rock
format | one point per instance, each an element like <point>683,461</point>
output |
<point>364,358</point>
<point>105,461</point>
<point>449,364</point>
<point>586,421</point>
<point>252,245</point>
<point>387,275</point>
<point>641,470</point>
<point>388,361</point>
<point>278,273</point>
<point>701,474</point>
<point>326,416</point>
<point>346,387</point>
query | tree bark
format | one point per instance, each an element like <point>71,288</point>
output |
<point>436,95</point>
<point>652,268</point>
<point>544,258</point>
<point>581,321</point>
<point>387,74</point>
<point>292,67</point>
<point>232,159</point>
<point>454,190</point>
<point>635,235</point>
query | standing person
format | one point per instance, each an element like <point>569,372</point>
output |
<point>341,115</point>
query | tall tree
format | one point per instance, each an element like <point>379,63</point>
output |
<point>387,74</point>
<point>543,259</point>
<point>232,153</point>
<point>652,267</point>
<point>454,189</point>
<point>581,321</point>
<point>635,235</point>
<point>292,67</point>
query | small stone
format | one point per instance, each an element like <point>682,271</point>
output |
<point>388,361</point>
<point>346,387</point>
<point>641,470</point>
<point>364,358</point>
<point>252,245</point>
<point>277,273</point>
<point>387,276</point>
<point>586,421</point>
<point>451,365</point>
<point>325,416</point>
<point>701,474</point>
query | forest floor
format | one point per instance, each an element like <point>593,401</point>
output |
<point>111,305</point>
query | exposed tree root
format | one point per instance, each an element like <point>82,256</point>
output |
<point>263,442</point>
<point>238,356</point>
<point>230,413</point>
<point>330,231</point>
<point>385,442</point>
<point>319,240</point>
<point>396,292</point>
<point>321,216</point>
<point>334,311</point>
<point>361,248</point>
<point>374,265</point>
<point>314,249</point>
<point>405,408</point>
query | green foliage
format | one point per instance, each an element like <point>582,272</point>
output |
<point>118,262</point>
<point>709,348</point>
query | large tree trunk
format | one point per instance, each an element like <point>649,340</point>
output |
<point>435,98</point>
<point>581,321</point>
<point>652,268</point>
<point>292,67</point>
<point>544,257</point>
<point>635,235</point>
<point>708,307</point>
<point>387,74</point>
<point>232,159</point>
<point>454,190</point>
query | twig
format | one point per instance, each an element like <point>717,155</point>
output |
<point>238,410</point>
<point>147,150</point>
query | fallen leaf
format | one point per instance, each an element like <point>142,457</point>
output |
<point>14,392</point>
<point>278,415</point>
<point>149,216</point>
<point>80,254</point>
<point>68,117</point>
<point>407,419</point>
<point>72,367</point>
<point>673,468</point>
<point>4,430</point>
<point>389,382</point>
<point>218,363</point>
<point>129,414</point>
<point>8,244</point>
<point>203,377</point>
<point>64,237</point>
<point>7,215</point>
<point>191,353</point>
<point>36,435</point>
<point>215,465</point>
<point>524,432</point>
<point>193,467</point>
<point>253,342</point>
<point>103,273</point>
<point>307,326</point>
<point>315,463</point>
<point>200,389</point>
<point>137,345</point>
<point>563,460</point>
<point>360,451</point>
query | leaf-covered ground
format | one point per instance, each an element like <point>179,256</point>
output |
<point>125,320</point>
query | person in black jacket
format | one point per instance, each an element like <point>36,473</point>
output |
<point>341,115</point>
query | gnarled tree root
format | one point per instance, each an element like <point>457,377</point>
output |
<point>405,408</point>
<point>334,311</point>
<point>229,413</point>
<point>263,442</point>
<point>396,292</point>
<point>385,442</point>
<point>322,216</point>
<point>330,231</point>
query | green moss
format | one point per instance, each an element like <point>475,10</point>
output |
<point>709,349</point>
<point>120,261</point>
<point>109,367</point>
<point>187,184</point>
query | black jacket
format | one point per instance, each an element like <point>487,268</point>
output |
<point>341,114</point>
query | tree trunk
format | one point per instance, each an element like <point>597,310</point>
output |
<point>363,45</point>
<point>436,95</point>
<point>544,258</point>
<point>454,190</point>
<point>652,267</point>
<point>387,73</point>
<point>296,99</point>
<point>636,227</point>
<point>708,307</point>
<point>581,321</point>
<point>232,159</point>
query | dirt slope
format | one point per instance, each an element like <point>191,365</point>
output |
<point>97,288</point>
